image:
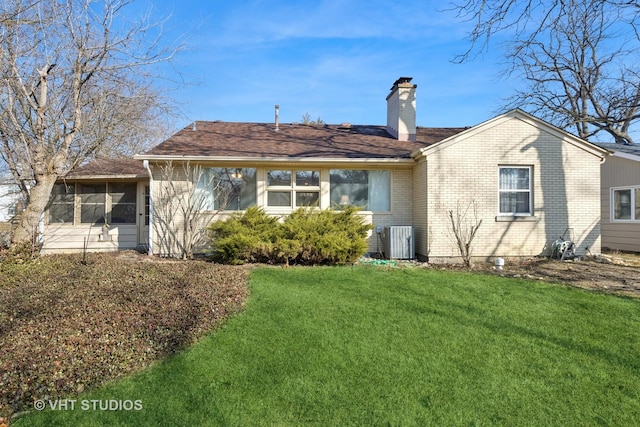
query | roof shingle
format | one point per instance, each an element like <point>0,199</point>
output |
<point>110,167</point>
<point>628,149</point>
<point>261,140</point>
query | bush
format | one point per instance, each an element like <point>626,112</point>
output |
<point>307,236</point>
<point>244,237</point>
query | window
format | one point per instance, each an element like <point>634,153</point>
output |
<point>123,203</point>
<point>226,189</point>
<point>369,189</point>
<point>99,203</point>
<point>61,205</point>
<point>515,191</point>
<point>626,204</point>
<point>146,204</point>
<point>92,203</point>
<point>286,188</point>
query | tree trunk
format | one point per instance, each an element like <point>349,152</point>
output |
<point>30,218</point>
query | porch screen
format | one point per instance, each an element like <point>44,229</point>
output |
<point>61,204</point>
<point>92,203</point>
<point>123,203</point>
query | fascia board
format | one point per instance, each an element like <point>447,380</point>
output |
<point>520,115</point>
<point>269,160</point>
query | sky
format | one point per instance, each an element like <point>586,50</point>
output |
<point>333,59</point>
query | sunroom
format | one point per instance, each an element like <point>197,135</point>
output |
<point>95,210</point>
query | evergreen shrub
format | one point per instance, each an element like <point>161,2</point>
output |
<point>306,236</point>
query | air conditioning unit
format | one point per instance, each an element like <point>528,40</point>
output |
<point>398,242</point>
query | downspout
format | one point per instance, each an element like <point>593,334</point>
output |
<point>426,207</point>
<point>145,163</point>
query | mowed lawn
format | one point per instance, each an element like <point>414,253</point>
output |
<point>367,346</point>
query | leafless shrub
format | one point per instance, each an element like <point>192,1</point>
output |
<point>181,210</point>
<point>464,229</point>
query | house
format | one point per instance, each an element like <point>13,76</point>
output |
<point>10,198</point>
<point>620,197</point>
<point>526,180</point>
<point>114,192</point>
<point>10,205</point>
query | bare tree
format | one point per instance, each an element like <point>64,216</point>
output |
<point>73,82</point>
<point>579,57</point>
<point>464,228</point>
<point>186,199</point>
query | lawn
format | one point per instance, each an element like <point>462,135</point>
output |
<point>367,346</point>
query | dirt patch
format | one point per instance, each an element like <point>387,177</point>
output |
<point>617,273</point>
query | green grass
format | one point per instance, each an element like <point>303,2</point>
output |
<point>364,346</point>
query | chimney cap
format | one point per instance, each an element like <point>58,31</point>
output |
<point>401,80</point>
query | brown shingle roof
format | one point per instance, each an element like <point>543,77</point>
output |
<point>110,167</point>
<point>227,139</point>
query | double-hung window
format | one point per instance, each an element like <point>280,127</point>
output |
<point>293,188</point>
<point>626,204</point>
<point>514,191</point>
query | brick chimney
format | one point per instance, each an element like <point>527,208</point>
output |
<point>401,110</point>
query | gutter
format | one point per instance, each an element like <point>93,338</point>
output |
<point>75,178</point>
<point>145,163</point>
<point>271,160</point>
<point>627,156</point>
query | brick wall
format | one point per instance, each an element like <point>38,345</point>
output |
<point>401,112</point>
<point>565,180</point>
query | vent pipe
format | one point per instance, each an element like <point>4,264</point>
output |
<point>193,127</point>
<point>277,117</point>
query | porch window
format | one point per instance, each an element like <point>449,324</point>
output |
<point>626,204</point>
<point>92,203</point>
<point>96,203</point>
<point>514,190</point>
<point>226,189</point>
<point>369,189</point>
<point>62,203</point>
<point>123,203</point>
<point>289,188</point>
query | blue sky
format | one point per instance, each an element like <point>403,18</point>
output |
<point>333,59</point>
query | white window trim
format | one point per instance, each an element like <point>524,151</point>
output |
<point>293,188</point>
<point>529,190</point>
<point>612,208</point>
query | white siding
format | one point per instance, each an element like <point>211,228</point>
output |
<point>66,238</point>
